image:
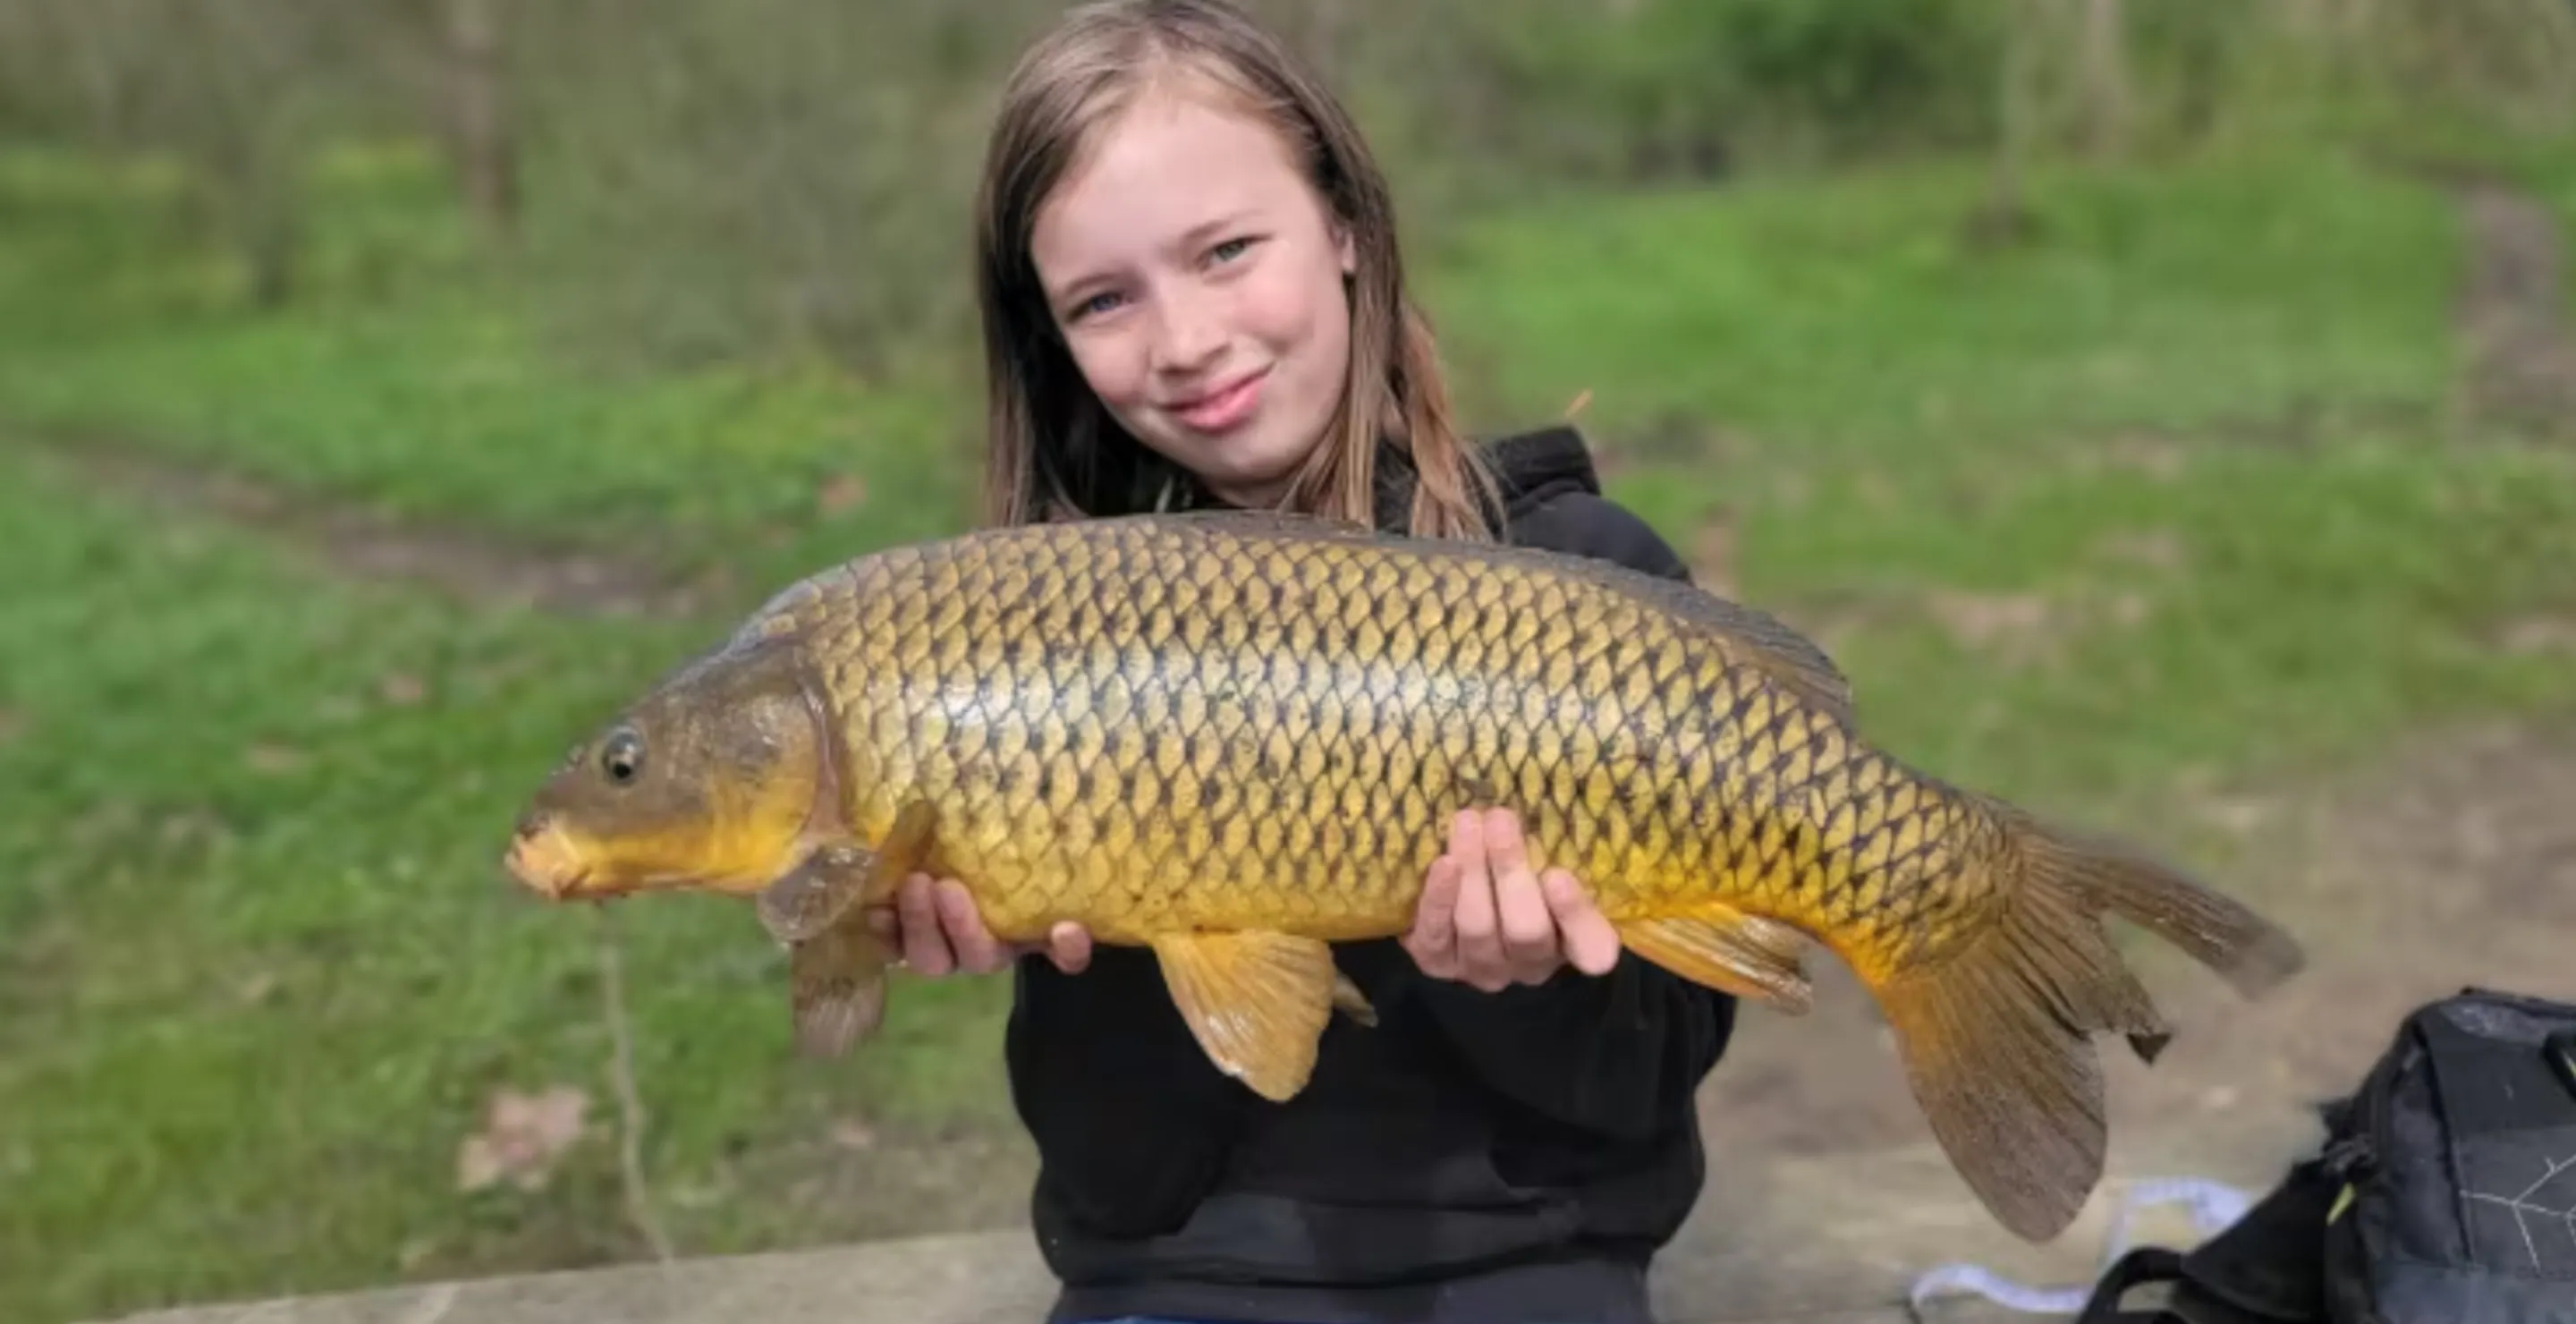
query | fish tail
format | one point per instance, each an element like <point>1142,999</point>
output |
<point>1995,1034</point>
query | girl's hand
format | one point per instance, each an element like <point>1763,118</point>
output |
<point>1485,919</point>
<point>934,925</point>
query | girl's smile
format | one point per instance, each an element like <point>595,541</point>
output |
<point>1222,408</point>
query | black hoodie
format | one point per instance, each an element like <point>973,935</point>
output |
<point>1486,1157</point>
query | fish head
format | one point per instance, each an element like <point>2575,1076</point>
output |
<point>709,782</point>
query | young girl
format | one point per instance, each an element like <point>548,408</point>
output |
<point>1192,297</point>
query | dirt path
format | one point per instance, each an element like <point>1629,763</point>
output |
<point>2452,863</point>
<point>482,569</point>
<point>2512,312</point>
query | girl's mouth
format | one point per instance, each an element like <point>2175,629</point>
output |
<point>1224,407</point>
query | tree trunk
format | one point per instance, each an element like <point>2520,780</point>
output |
<point>2004,218</point>
<point>2105,65</point>
<point>478,122</point>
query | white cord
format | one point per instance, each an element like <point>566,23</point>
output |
<point>2213,1206</point>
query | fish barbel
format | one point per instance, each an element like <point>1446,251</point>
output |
<point>1236,738</point>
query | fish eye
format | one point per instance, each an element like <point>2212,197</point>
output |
<point>622,758</point>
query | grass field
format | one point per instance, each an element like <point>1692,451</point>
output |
<point>2182,494</point>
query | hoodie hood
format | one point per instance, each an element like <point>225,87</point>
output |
<point>1531,469</point>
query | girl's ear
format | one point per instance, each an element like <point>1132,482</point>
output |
<point>1347,248</point>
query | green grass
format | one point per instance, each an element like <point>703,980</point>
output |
<point>1854,320</point>
<point>408,383</point>
<point>265,969</point>
<point>2184,461</point>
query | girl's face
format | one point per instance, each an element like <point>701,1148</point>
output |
<point>1197,279</point>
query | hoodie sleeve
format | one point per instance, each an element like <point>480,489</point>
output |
<point>1623,1053</point>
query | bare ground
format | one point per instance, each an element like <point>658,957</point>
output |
<point>478,567</point>
<point>2511,313</point>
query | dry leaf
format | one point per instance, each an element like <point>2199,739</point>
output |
<point>2016,628</point>
<point>523,1135</point>
<point>2158,549</point>
<point>2237,814</point>
<point>1981,619</point>
<point>2540,634</point>
<point>272,759</point>
<point>841,492</point>
<point>402,689</point>
<point>1712,554</point>
<point>2144,453</point>
<point>852,1133</point>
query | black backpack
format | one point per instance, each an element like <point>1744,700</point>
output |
<point>2445,1192</point>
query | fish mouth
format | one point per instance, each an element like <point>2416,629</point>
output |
<point>545,860</point>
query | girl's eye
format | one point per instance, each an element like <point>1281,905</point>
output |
<point>1098,303</point>
<point>1230,249</point>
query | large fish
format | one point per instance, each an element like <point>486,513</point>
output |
<point>1237,738</point>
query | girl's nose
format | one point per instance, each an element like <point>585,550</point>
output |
<point>1187,336</point>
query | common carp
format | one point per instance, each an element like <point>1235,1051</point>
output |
<point>1235,738</point>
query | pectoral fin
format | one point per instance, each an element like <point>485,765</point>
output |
<point>804,903</point>
<point>1752,957</point>
<point>819,892</point>
<point>1257,1002</point>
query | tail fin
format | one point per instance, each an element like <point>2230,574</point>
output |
<point>1996,1037</point>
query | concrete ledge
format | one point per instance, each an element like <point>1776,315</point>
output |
<point>1792,1241</point>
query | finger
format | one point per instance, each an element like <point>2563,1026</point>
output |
<point>977,950</point>
<point>1521,913</point>
<point>1479,940</point>
<point>924,949</point>
<point>1069,946</point>
<point>1591,944</point>
<point>1433,940</point>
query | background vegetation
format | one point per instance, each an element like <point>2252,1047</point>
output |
<point>2139,398</point>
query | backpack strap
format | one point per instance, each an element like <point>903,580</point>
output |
<point>2561,1048</point>
<point>2145,1266</point>
<point>2266,1268</point>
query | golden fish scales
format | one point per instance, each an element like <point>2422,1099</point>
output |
<point>1170,730</point>
<point>1238,738</point>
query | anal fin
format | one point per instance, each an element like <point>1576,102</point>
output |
<point>1753,957</point>
<point>1257,1001</point>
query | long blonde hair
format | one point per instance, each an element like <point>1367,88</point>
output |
<point>1052,449</point>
